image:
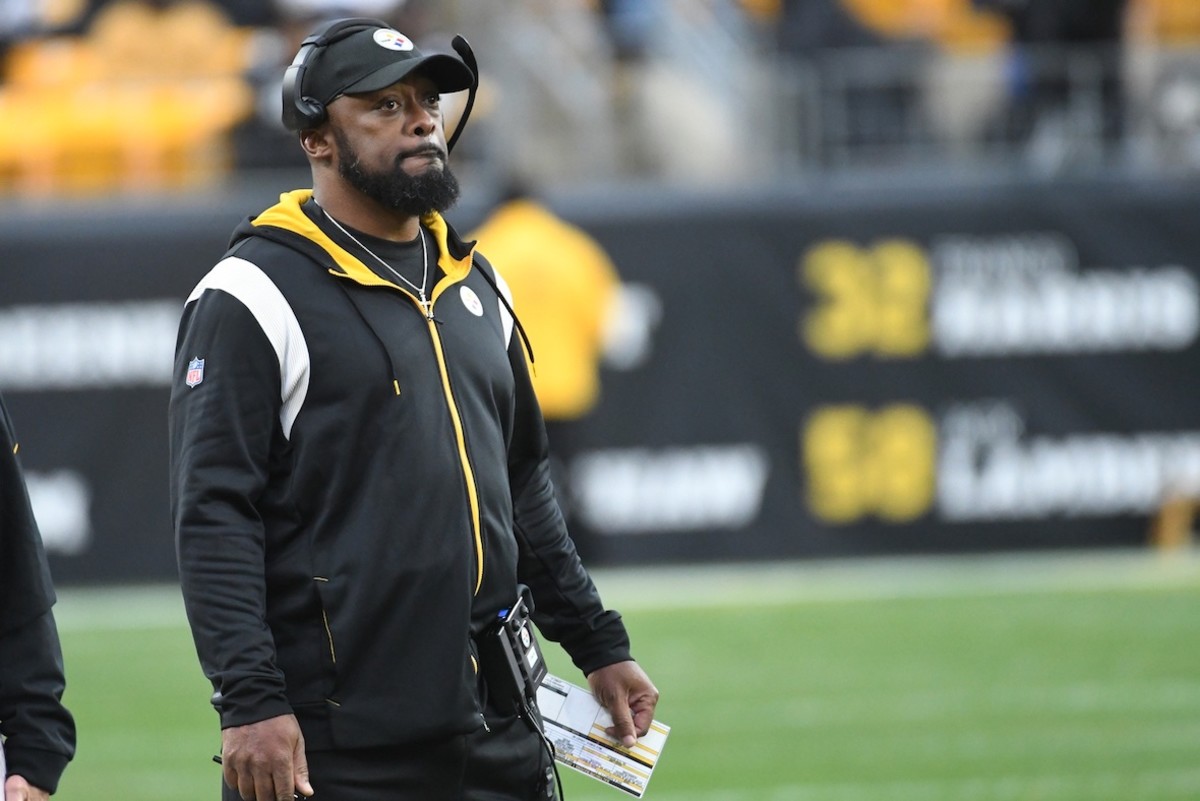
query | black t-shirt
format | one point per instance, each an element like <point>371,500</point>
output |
<point>404,258</point>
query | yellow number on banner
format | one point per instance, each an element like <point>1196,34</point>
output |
<point>841,326</point>
<point>868,300</point>
<point>903,275</point>
<point>859,463</point>
<point>831,445</point>
<point>902,449</point>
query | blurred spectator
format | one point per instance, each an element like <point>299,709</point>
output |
<point>676,60</point>
<point>1162,82</point>
<point>806,27</point>
<point>17,18</point>
<point>1169,22</point>
<point>1054,43</point>
<point>630,25</point>
<point>872,87</point>
<point>565,291</point>
<point>23,19</point>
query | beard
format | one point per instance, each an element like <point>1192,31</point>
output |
<point>415,195</point>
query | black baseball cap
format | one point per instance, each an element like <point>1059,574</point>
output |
<point>375,58</point>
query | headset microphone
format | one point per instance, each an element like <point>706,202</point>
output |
<point>463,48</point>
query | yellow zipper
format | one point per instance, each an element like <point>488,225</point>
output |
<point>460,436</point>
<point>459,433</point>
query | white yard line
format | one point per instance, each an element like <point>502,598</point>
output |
<point>869,579</point>
<point>767,584</point>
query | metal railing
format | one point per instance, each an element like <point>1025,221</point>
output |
<point>1047,112</point>
<point>904,107</point>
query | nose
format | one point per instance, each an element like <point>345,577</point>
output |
<point>422,121</point>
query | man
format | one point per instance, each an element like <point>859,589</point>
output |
<point>566,290</point>
<point>1048,38</point>
<point>359,471</point>
<point>39,733</point>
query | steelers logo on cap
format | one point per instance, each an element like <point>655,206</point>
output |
<point>392,40</point>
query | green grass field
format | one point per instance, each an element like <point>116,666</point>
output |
<point>1049,678</point>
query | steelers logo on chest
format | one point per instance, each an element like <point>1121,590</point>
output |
<point>471,301</point>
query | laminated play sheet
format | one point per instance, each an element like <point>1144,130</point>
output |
<point>575,724</point>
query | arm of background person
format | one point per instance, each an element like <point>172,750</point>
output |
<point>39,732</point>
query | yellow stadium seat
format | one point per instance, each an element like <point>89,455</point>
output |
<point>145,99</point>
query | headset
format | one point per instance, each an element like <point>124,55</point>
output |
<point>302,111</point>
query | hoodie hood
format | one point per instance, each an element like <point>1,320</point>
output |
<point>287,224</point>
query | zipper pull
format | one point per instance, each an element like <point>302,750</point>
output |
<point>429,313</point>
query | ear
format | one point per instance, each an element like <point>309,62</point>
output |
<point>317,143</point>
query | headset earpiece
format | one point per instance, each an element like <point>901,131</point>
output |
<point>301,111</point>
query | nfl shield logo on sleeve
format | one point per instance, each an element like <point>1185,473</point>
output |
<point>195,372</point>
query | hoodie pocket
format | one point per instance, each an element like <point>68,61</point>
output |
<point>325,626</point>
<point>328,643</point>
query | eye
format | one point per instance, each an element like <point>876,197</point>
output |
<point>389,104</point>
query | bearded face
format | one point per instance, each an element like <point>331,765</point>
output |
<point>433,189</point>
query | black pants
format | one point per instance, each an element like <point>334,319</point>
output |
<point>508,763</point>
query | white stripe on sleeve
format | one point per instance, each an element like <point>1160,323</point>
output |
<point>251,286</point>
<point>506,319</point>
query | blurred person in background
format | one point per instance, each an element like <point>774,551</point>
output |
<point>18,18</point>
<point>1044,76</point>
<point>831,41</point>
<point>39,732</point>
<point>631,26</point>
<point>566,290</point>
<point>359,468</point>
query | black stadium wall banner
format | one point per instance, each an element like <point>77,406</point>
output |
<point>800,374</point>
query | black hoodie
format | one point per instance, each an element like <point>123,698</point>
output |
<point>39,732</point>
<point>358,489</point>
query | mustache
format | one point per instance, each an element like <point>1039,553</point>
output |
<point>423,150</point>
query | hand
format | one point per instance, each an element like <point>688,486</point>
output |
<point>17,789</point>
<point>265,761</point>
<point>627,693</point>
